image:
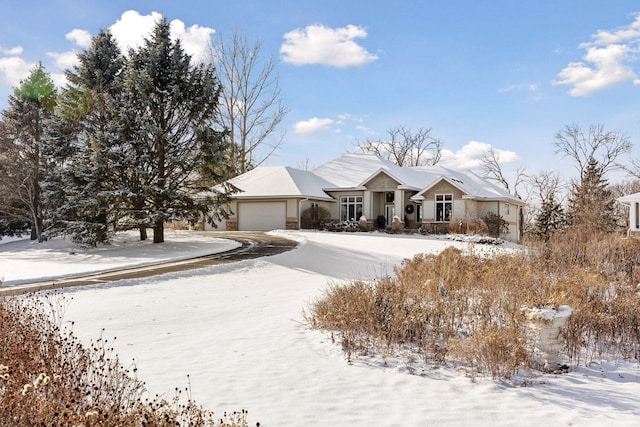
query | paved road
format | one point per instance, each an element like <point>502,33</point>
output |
<point>254,245</point>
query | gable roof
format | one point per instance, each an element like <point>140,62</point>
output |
<point>354,171</point>
<point>279,182</point>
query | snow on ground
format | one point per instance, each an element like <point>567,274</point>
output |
<point>26,261</point>
<point>238,331</point>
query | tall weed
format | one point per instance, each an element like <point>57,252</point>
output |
<point>466,309</point>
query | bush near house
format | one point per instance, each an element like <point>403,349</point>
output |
<point>466,309</point>
<point>47,377</point>
<point>314,218</point>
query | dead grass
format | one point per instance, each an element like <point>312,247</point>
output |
<point>467,310</point>
<point>47,377</point>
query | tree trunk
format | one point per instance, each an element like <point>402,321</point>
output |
<point>143,232</point>
<point>158,231</point>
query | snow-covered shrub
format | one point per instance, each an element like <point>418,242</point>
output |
<point>363,224</point>
<point>397,224</point>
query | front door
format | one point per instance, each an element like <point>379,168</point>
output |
<point>389,213</point>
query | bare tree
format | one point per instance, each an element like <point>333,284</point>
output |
<point>633,169</point>
<point>492,170</point>
<point>596,143</point>
<point>251,107</point>
<point>406,148</point>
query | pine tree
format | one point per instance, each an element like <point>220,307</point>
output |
<point>550,218</point>
<point>23,166</point>
<point>171,106</point>
<point>84,140</point>
<point>591,204</point>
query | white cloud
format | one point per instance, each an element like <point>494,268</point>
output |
<point>317,44</point>
<point>59,79</point>
<point>195,39</point>
<point>313,125</point>
<point>627,33</point>
<point>608,70</point>
<point>132,29</point>
<point>605,63</point>
<point>530,88</point>
<point>13,70</point>
<point>365,130</point>
<point>64,60</point>
<point>470,155</point>
<point>81,38</point>
<point>12,51</point>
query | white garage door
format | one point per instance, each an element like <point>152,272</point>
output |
<point>261,216</point>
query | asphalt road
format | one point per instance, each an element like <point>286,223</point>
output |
<point>254,245</point>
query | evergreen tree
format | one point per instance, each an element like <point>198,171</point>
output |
<point>171,104</point>
<point>23,166</point>
<point>84,140</point>
<point>550,218</point>
<point>591,204</point>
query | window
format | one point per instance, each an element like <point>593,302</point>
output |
<point>637,215</point>
<point>419,213</point>
<point>507,207</point>
<point>350,208</point>
<point>389,197</point>
<point>444,207</point>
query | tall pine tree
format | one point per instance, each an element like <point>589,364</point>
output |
<point>171,105</point>
<point>23,166</point>
<point>591,204</point>
<point>84,140</point>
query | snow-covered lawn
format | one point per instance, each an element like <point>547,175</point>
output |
<point>238,331</point>
<point>25,261</point>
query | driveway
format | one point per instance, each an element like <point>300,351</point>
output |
<point>253,245</point>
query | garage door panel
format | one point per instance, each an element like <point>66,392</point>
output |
<point>262,216</point>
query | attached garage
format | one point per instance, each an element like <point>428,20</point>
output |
<point>262,216</point>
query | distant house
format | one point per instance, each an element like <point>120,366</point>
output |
<point>633,200</point>
<point>356,185</point>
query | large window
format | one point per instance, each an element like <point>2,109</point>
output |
<point>350,208</point>
<point>444,207</point>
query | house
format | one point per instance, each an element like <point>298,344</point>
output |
<point>633,200</point>
<point>356,185</point>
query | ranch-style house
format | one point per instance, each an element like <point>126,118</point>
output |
<point>357,185</point>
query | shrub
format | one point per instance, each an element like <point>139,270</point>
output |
<point>48,378</point>
<point>496,225</point>
<point>466,309</point>
<point>314,217</point>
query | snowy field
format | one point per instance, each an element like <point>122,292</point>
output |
<point>238,331</point>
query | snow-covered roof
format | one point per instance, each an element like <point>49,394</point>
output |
<point>278,182</point>
<point>635,197</point>
<point>354,171</point>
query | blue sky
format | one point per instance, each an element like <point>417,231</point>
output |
<point>505,74</point>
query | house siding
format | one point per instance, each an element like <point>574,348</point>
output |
<point>382,182</point>
<point>429,204</point>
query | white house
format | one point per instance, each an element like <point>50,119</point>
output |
<point>633,200</point>
<point>356,185</point>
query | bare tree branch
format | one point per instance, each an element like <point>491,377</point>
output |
<point>597,143</point>
<point>492,170</point>
<point>251,105</point>
<point>405,147</point>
